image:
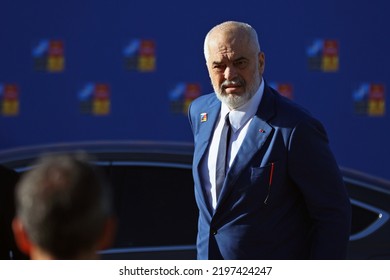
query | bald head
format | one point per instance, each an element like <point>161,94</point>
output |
<point>233,31</point>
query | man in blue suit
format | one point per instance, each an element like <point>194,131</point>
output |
<point>281,194</point>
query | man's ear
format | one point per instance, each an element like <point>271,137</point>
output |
<point>21,236</point>
<point>108,234</point>
<point>261,58</point>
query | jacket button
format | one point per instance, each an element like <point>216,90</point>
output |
<point>214,231</point>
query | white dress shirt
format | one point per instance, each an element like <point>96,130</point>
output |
<point>240,119</point>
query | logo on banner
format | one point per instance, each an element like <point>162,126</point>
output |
<point>284,89</point>
<point>182,95</point>
<point>9,100</point>
<point>140,55</point>
<point>369,99</point>
<point>323,55</point>
<point>95,99</point>
<point>49,56</point>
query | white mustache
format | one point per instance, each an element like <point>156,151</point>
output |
<point>231,83</point>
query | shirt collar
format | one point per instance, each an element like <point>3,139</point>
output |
<point>239,116</point>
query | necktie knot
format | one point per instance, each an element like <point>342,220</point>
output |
<point>227,120</point>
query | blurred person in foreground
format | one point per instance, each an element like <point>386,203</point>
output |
<point>63,209</point>
<point>279,194</point>
<point>8,247</point>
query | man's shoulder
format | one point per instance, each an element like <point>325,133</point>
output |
<point>289,110</point>
<point>205,101</point>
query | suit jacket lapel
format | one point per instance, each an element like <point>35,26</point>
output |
<point>257,134</point>
<point>205,133</point>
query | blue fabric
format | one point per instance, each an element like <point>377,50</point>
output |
<point>283,197</point>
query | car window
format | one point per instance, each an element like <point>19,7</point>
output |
<point>155,205</point>
<point>367,218</point>
<point>362,218</point>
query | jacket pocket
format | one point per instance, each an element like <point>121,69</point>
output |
<point>263,177</point>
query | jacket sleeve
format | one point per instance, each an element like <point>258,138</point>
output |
<point>314,170</point>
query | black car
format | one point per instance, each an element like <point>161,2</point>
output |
<point>154,200</point>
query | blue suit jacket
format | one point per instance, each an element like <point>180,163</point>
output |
<point>302,212</point>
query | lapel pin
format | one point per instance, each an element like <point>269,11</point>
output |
<point>261,130</point>
<point>203,117</point>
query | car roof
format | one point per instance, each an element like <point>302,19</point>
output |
<point>165,151</point>
<point>102,150</point>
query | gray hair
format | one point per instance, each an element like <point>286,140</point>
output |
<point>227,26</point>
<point>63,202</point>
